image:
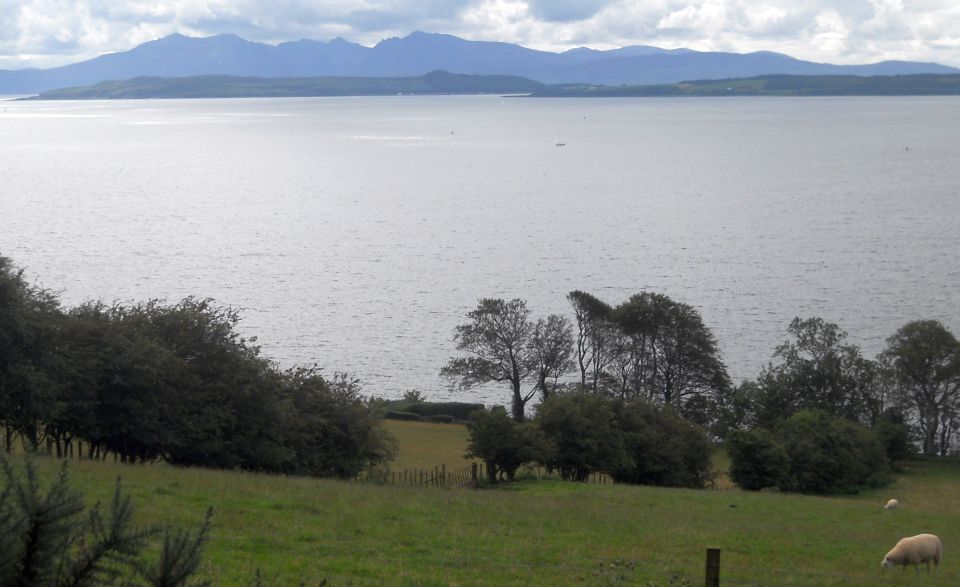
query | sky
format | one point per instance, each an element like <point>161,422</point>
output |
<point>48,33</point>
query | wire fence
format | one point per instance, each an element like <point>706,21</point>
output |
<point>472,475</point>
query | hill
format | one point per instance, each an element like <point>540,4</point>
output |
<point>221,86</point>
<point>439,82</point>
<point>532,532</point>
<point>775,85</point>
<point>420,53</point>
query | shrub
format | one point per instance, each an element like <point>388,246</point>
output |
<point>756,459</point>
<point>828,454</point>
<point>894,436</point>
<point>501,442</point>
<point>395,415</point>
<point>662,448</point>
<point>441,419</point>
<point>582,434</point>
<point>457,410</point>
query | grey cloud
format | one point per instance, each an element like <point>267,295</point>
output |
<point>824,30</point>
<point>566,10</point>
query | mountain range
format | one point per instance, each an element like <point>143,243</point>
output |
<point>420,53</point>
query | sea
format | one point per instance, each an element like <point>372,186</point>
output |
<point>356,233</point>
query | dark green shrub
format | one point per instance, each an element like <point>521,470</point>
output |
<point>393,415</point>
<point>894,436</point>
<point>501,442</point>
<point>828,454</point>
<point>441,419</point>
<point>457,410</point>
<point>662,448</point>
<point>582,434</point>
<point>756,459</point>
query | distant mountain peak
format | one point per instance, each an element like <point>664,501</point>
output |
<point>421,52</point>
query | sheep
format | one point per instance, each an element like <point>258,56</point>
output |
<point>891,505</point>
<point>914,550</point>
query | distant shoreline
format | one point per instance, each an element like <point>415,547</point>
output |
<point>440,83</point>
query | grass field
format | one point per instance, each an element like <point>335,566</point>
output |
<point>424,445</point>
<point>536,532</point>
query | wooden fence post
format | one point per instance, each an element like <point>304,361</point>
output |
<point>713,567</point>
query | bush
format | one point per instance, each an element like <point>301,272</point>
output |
<point>894,436</point>
<point>395,415</point>
<point>662,448</point>
<point>582,434</point>
<point>441,419</point>
<point>756,460</point>
<point>828,454</point>
<point>502,443</point>
<point>457,410</point>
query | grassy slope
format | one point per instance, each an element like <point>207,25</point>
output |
<point>543,533</point>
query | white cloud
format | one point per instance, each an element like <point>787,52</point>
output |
<point>52,32</point>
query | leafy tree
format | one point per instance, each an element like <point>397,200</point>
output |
<point>662,448</point>
<point>582,434</point>
<point>328,429</point>
<point>552,345</point>
<point>502,443</point>
<point>817,371</point>
<point>830,454</point>
<point>30,385</point>
<point>925,359</point>
<point>756,459</point>
<point>734,408</point>
<point>665,353</point>
<point>505,346</point>
<point>894,435</point>
<point>594,336</point>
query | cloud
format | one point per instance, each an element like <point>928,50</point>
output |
<point>566,10</point>
<point>53,32</point>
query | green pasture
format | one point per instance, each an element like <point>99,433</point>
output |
<point>533,532</point>
<point>425,445</point>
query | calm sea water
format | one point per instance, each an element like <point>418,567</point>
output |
<point>357,232</point>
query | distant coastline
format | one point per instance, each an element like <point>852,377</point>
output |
<point>444,83</point>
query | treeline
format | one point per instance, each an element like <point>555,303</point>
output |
<point>654,350</point>
<point>577,433</point>
<point>925,84</point>
<point>177,382</point>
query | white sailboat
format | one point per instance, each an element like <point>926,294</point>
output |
<point>560,141</point>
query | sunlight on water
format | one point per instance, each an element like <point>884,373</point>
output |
<point>357,232</point>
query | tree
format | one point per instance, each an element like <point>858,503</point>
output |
<point>582,434</point>
<point>552,345</point>
<point>30,385</point>
<point>756,459</point>
<point>502,443</point>
<point>925,357</point>
<point>505,346</point>
<point>662,448</point>
<point>666,354</point>
<point>830,454</point>
<point>817,371</point>
<point>594,336</point>
<point>327,428</point>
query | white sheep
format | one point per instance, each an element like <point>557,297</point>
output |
<point>891,505</point>
<point>914,550</point>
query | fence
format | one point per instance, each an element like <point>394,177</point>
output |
<point>439,477</point>
<point>467,476</point>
